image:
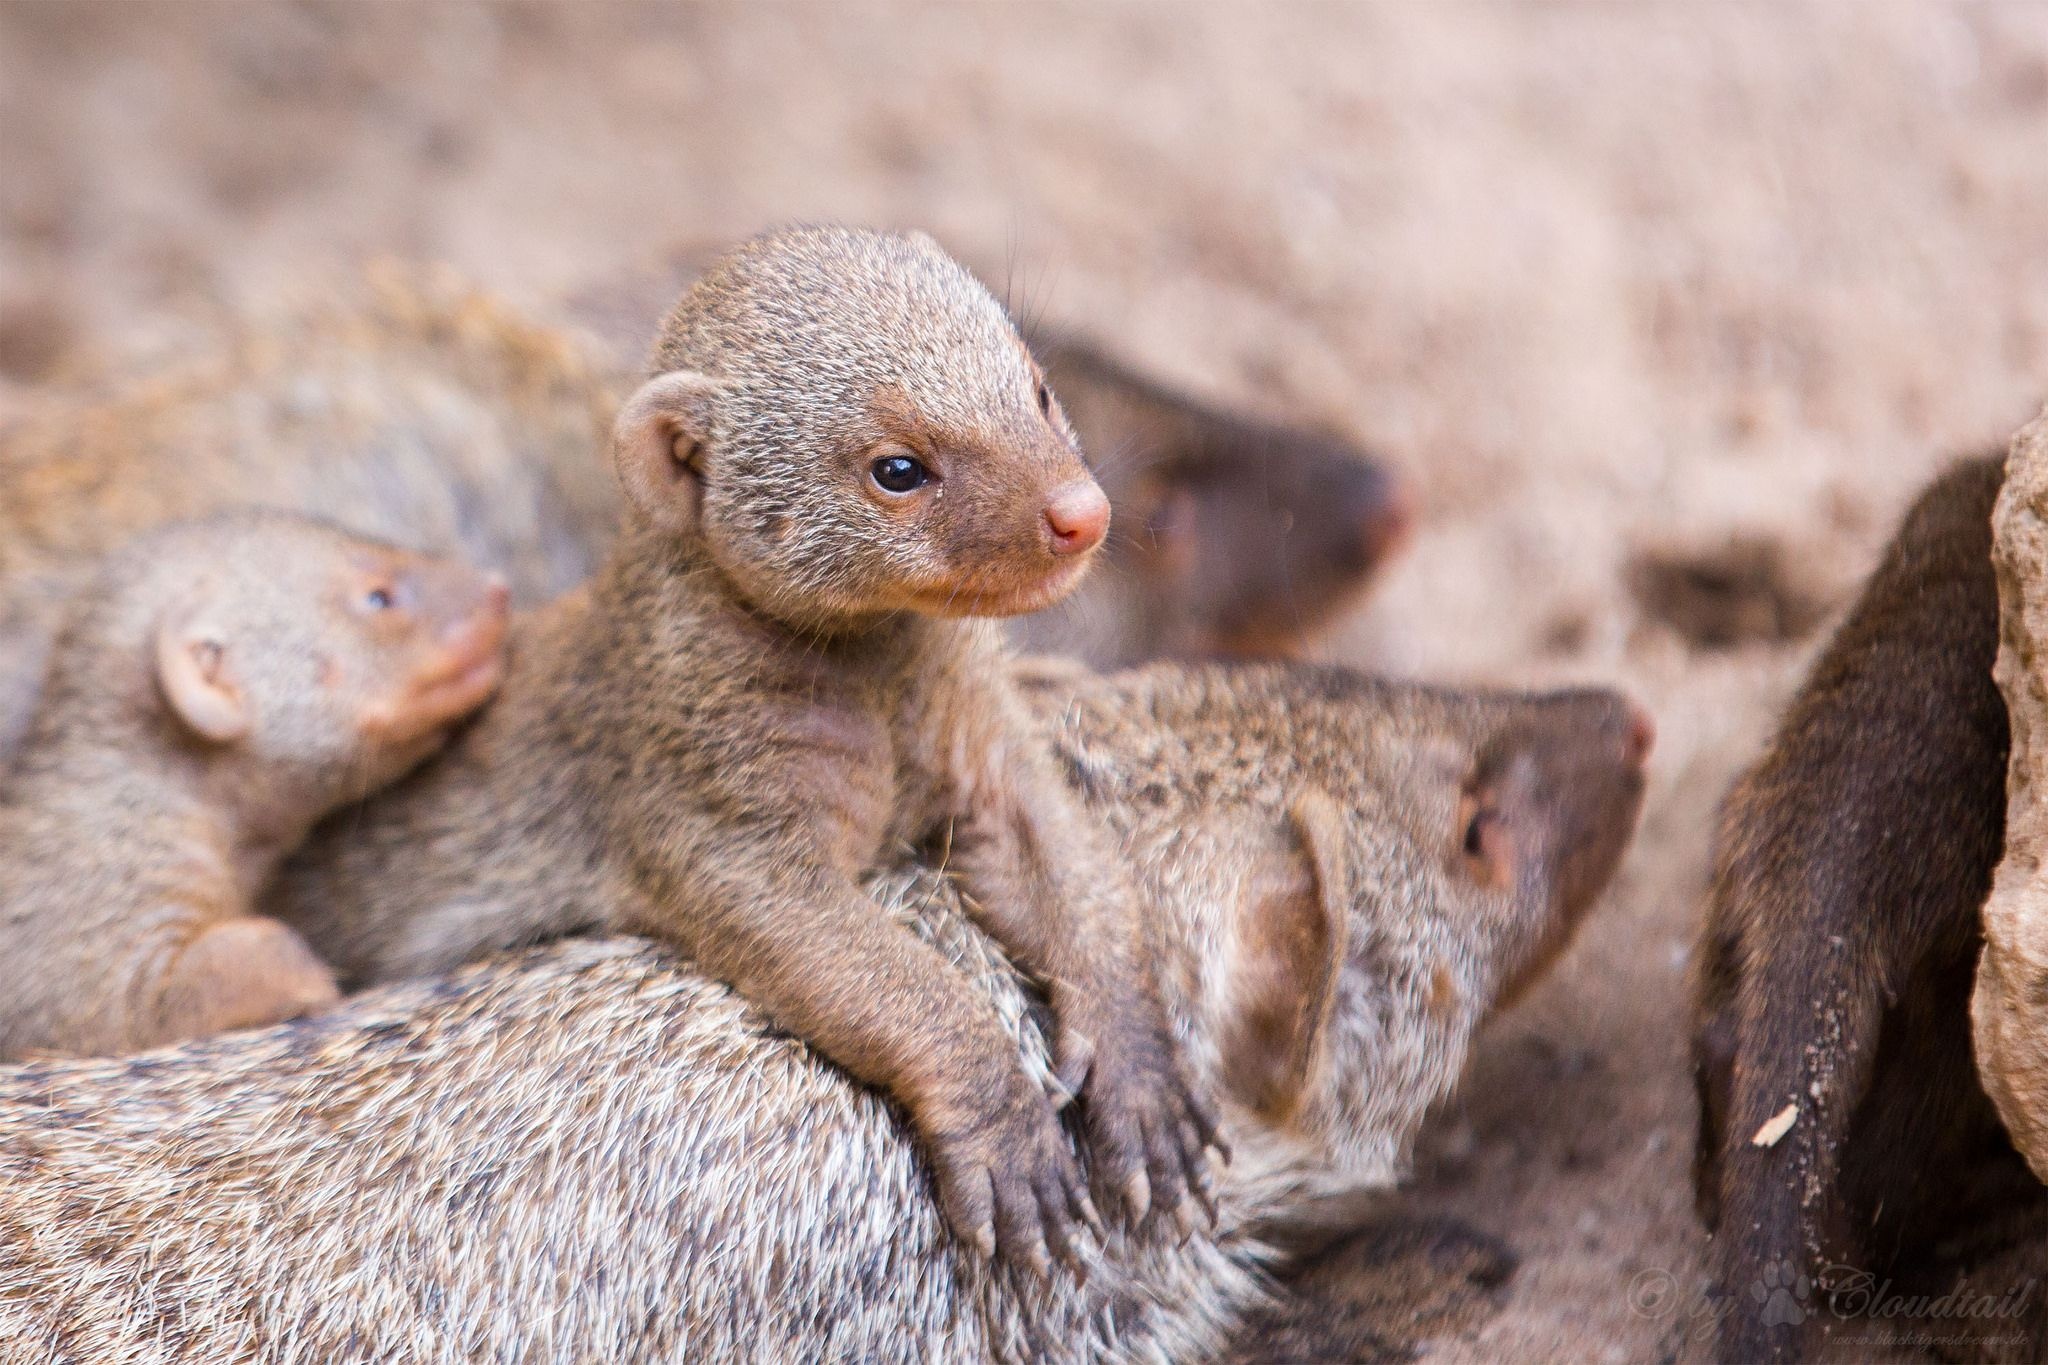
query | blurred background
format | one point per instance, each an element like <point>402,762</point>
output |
<point>1662,311</point>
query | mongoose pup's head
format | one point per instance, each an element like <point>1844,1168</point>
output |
<point>308,664</point>
<point>850,426</point>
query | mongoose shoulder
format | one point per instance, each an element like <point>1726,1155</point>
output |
<point>1343,877</point>
<point>844,454</point>
<point>217,688</point>
<point>1840,940</point>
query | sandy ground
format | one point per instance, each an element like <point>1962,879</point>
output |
<point>1665,310</point>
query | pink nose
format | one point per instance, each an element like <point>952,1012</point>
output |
<point>1077,514</point>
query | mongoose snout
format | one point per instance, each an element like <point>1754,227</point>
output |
<point>1233,537</point>
<point>1077,516</point>
<point>460,619</point>
<point>1553,805</point>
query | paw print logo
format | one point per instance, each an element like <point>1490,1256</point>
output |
<point>1781,1293</point>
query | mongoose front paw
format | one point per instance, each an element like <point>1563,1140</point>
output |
<point>1009,1183</point>
<point>1149,1129</point>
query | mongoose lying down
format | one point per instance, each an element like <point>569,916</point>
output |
<point>219,687</point>
<point>587,1151</point>
<point>1844,1134</point>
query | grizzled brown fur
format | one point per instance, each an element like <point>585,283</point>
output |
<point>589,1152</point>
<point>218,687</point>
<point>1841,938</point>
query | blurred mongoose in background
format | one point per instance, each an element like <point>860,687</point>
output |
<point>1234,537</point>
<point>590,1152</point>
<point>219,687</point>
<point>844,452</point>
<point>1843,1130</point>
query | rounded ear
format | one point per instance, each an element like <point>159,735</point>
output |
<point>1291,947</point>
<point>197,680</point>
<point>658,447</point>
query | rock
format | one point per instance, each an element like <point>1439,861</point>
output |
<point>2009,1012</point>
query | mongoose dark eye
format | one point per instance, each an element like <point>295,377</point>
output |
<point>379,599</point>
<point>899,474</point>
<point>1044,399</point>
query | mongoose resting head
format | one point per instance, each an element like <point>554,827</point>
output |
<point>1476,831</point>
<point>308,664</point>
<point>849,425</point>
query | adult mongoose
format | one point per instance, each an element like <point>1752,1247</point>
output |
<point>1843,1132</point>
<point>590,1151</point>
<point>217,688</point>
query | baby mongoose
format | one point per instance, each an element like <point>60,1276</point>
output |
<point>844,455</point>
<point>1843,1129</point>
<point>219,687</point>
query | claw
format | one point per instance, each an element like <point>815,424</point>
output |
<point>1085,1208</point>
<point>1036,1260</point>
<point>1137,1194</point>
<point>1207,1124</point>
<point>1184,1220</point>
<point>1076,1059</point>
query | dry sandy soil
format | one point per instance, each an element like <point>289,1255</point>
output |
<point>1665,310</point>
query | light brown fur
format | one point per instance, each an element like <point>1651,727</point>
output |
<point>588,1152</point>
<point>216,689</point>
